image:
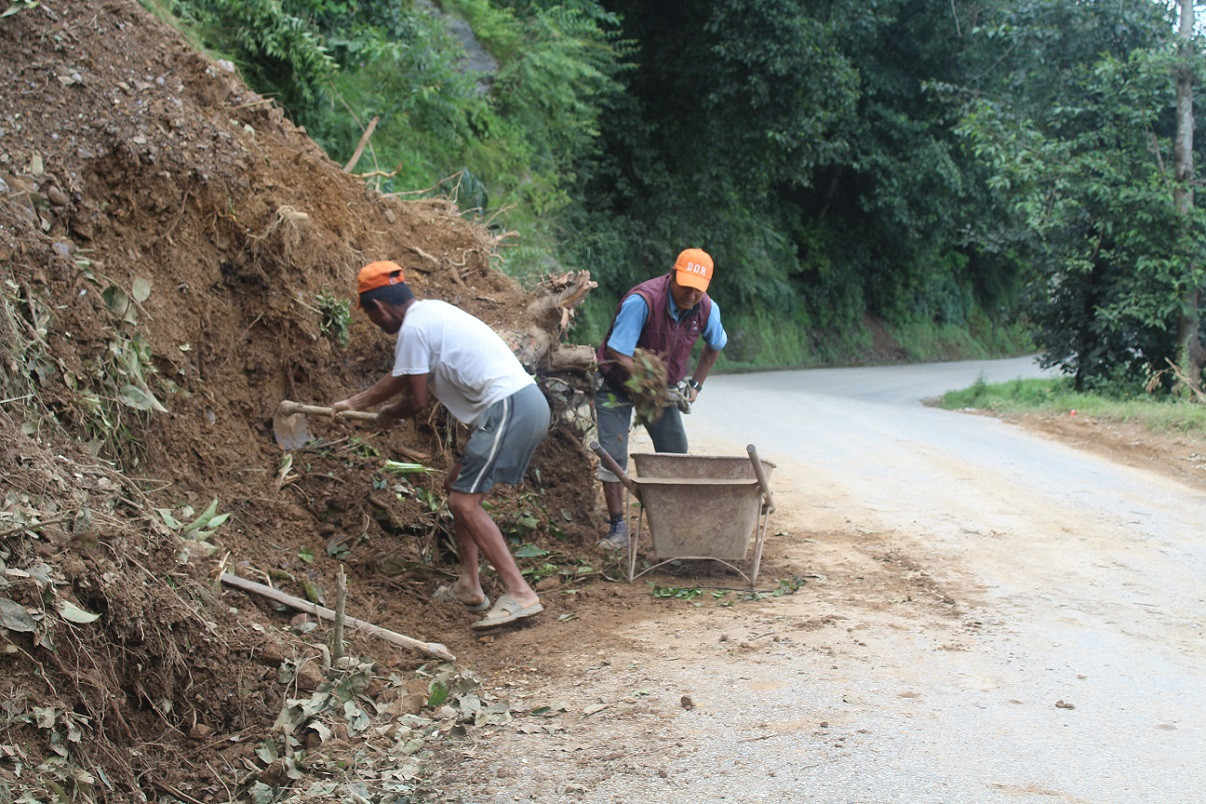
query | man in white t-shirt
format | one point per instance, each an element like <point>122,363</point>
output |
<point>446,353</point>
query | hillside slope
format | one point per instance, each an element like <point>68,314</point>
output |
<point>175,259</point>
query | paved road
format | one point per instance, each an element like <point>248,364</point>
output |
<point>977,576</point>
<point>1091,580</point>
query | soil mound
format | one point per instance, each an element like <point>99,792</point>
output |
<point>176,258</point>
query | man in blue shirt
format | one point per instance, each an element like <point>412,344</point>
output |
<point>665,315</point>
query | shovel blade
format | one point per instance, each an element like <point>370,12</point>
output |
<point>291,431</point>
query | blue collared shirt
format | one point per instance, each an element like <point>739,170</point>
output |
<point>626,330</point>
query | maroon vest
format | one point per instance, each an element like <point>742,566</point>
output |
<point>671,340</point>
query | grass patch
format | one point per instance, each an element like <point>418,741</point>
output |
<point>1055,395</point>
<point>977,339</point>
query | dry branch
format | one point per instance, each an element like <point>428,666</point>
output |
<point>428,648</point>
<point>364,138</point>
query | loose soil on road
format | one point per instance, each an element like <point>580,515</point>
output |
<point>616,718</point>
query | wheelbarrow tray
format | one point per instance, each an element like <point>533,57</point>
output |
<point>673,464</point>
<point>698,506</point>
<point>691,517</point>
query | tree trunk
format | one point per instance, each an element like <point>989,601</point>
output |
<point>539,347</point>
<point>1189,346</point>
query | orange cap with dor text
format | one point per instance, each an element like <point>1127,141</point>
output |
<point>694,267</point>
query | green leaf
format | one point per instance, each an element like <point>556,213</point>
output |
<point>204,519</point>
<point>314,593</point>
<point>19,5</point>
<point>73,613</point>
<point>139,399</point>
<point>437,693</point>
<point>398,468</point>
<point>530,551</point>
<point>116,300</point>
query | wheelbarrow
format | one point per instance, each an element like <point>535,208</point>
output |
<point>699,507</point>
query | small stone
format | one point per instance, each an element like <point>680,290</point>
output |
<point>662,772</point>
<point>824,724</point>
<point>200,731</point>
<point>687,703</point>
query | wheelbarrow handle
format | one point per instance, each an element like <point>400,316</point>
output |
<point>761,475</point>
<point>290,408</point>
<point>614,467</point>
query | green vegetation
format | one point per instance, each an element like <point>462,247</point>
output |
<point>1057,395</point>
<point>983,179</point>
<point>721,597</point>
<point>335,316</point>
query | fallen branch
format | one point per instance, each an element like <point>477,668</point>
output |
<point>428,648</point>
<point>381,174</point>
<point>364,138</point>
<point>36,525</point>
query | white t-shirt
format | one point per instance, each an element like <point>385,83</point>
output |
<point>471,367</point>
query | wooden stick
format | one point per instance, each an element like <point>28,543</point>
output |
<point>364,138</point>
<point>37,525</point>
<point>341,600</point>
<point>429,648</point>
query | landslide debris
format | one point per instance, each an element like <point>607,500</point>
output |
<point>175,258</point>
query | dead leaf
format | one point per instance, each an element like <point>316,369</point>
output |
<point>14,617</point>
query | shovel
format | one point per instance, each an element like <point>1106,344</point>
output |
<point>289,423</point>
<point>291,432</point>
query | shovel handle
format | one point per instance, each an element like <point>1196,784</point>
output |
<point>769,504</point>
<point>614,467</point>
<point>290,408</point>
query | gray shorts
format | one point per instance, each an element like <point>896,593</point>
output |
<point>502,442</point>
<point>613,420</point>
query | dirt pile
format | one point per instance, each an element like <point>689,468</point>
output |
<point>175,259</point>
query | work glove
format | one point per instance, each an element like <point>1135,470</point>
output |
<point>682,394</point>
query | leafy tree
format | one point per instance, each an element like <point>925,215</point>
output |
<point>1088,171</point>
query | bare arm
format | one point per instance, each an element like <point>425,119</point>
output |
<point>414,399</point>
<point>707,359</point>
<point>384,389</point>
<point>623,361</point>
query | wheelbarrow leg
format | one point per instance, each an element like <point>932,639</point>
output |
<point>768,507</point>
<point>634,491</point>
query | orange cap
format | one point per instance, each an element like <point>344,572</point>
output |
<point>694,267</point>
<point>378,275</point>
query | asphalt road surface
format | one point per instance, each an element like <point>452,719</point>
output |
<point>1092,575</point>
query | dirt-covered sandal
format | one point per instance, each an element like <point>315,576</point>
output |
<point>445,595</point>
<point>507,610</point>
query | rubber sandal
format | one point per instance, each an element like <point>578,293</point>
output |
<point>507,610</point>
